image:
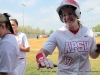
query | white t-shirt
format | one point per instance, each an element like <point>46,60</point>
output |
<point>74,50</point>
<point>22,41</point>
<point>9,54</point>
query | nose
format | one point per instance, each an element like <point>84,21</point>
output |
<point>66,17</point>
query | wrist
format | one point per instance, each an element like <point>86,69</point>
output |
<point>40,57</point>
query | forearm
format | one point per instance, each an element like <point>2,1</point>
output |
<point>24,49</point>
<point>44,51</point>
<point>42,61</point>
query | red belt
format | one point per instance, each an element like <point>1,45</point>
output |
<point>21,58</point>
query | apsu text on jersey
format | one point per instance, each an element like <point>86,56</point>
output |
<point>79,46</point>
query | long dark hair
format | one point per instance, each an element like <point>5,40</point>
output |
<point>8,24</point>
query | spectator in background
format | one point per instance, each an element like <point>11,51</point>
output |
<point>37,36</point>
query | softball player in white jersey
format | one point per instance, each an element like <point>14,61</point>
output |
<point>74,42</point>
<point>23,45</point>
<point>9,51</point>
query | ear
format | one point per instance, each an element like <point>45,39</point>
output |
<point>3,26</point>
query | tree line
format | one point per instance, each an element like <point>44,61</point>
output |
<point>30,30</point>
<point>96,28</point>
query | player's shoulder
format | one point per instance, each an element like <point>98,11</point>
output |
<point>58,31</point>
<point>8,37</point>
<point>21,34</point>
<point>87,29</point>
<point>62,29</point>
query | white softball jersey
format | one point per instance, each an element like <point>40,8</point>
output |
<point>22,41</point>
<point>74,50</point>
<point>9,54</point>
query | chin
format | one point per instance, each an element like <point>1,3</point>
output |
<point>69,26</point>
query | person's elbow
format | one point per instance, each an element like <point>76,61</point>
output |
<point>28,49</point>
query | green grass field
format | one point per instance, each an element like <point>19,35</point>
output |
<point>31,65</point>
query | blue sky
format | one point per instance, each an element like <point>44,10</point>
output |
<point>42,13</point>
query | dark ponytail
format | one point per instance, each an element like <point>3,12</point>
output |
<point>8,24</point>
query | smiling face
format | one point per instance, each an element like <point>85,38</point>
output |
<point>69,18</point>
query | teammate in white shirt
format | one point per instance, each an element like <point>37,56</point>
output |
<point>23,45</point>
<point>9,51</point>
<point>74,42</point>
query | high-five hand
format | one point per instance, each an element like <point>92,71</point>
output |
<point>42,61</point>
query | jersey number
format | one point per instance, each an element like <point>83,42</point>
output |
<point>67,60</point>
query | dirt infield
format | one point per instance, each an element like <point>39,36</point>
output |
<point>38,43</point>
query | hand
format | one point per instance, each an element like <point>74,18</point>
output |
<point>98,48</point>
<point>42,61</point>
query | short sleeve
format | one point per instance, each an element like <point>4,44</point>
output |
<point>51,43</point>
<point>5,57</point>
<point>25,40</point>
<point>4,62</point>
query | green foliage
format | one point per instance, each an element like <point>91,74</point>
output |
<point>42,32</point>
<point>20,28</point>
<point>29,30</point>
<point>51,31</point>
<point>96,28</point>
